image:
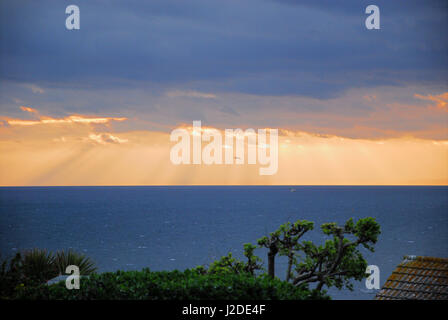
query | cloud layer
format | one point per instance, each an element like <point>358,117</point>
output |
<point>96,105</point>
<point>83,154</point>
<point>257,47</point>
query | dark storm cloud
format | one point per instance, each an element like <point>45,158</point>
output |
<point>283,47</point>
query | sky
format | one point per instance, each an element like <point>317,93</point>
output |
<point>96,106</point>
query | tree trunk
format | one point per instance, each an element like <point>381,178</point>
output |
<point>271,264</point>
<point>319,286</point>
<point>288,272</point>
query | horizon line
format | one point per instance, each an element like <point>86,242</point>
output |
<point>230,185</point>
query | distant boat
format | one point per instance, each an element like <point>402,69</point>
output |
<point>292,190</point>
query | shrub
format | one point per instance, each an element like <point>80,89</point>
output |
<point>172,285</point>
<point>11,276</point>
<point>38,266</point>
<point>34,267</point>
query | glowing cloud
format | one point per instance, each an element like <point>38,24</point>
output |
<point>66,120</point>
<point>441,100</point>
<point>104,138</point>
<point>28,109</point>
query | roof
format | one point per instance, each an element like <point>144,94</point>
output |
<point>417,278</point>
<point>62,278</point>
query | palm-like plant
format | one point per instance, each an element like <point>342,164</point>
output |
<point>64,259</point>
<point>38,265</point>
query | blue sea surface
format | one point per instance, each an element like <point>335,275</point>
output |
<point>167,228</point>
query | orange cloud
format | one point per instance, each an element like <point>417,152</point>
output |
<point>69,119</point>
<point>28,109</point>
<point>66,120</point>
<point>441,100</point>
<point>104,138</point>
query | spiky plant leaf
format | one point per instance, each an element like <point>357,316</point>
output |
<point>63,259</point>
<point>38,265</point>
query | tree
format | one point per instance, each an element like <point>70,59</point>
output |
<point>285,241</point>
<point>334,263</point>
<point>230,265</point>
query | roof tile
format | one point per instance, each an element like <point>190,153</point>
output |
<point>417,278</point>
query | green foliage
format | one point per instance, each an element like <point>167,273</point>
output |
<point>34,267</point>
<point>173,285</point>
<point>253,262</point>
<point>64,259</point>
<point>285,242</point>
<point>333,263</point>
<point>38,265</point>
<point>227,265</point>
<point>230,265</point>
<point>11,276</point>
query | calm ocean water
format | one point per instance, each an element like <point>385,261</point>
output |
<point>168,228</point>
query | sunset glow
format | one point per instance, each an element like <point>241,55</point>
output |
<point>74,151</point>
<point>95,105</point>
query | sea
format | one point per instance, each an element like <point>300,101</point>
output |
<point>180,227</point>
